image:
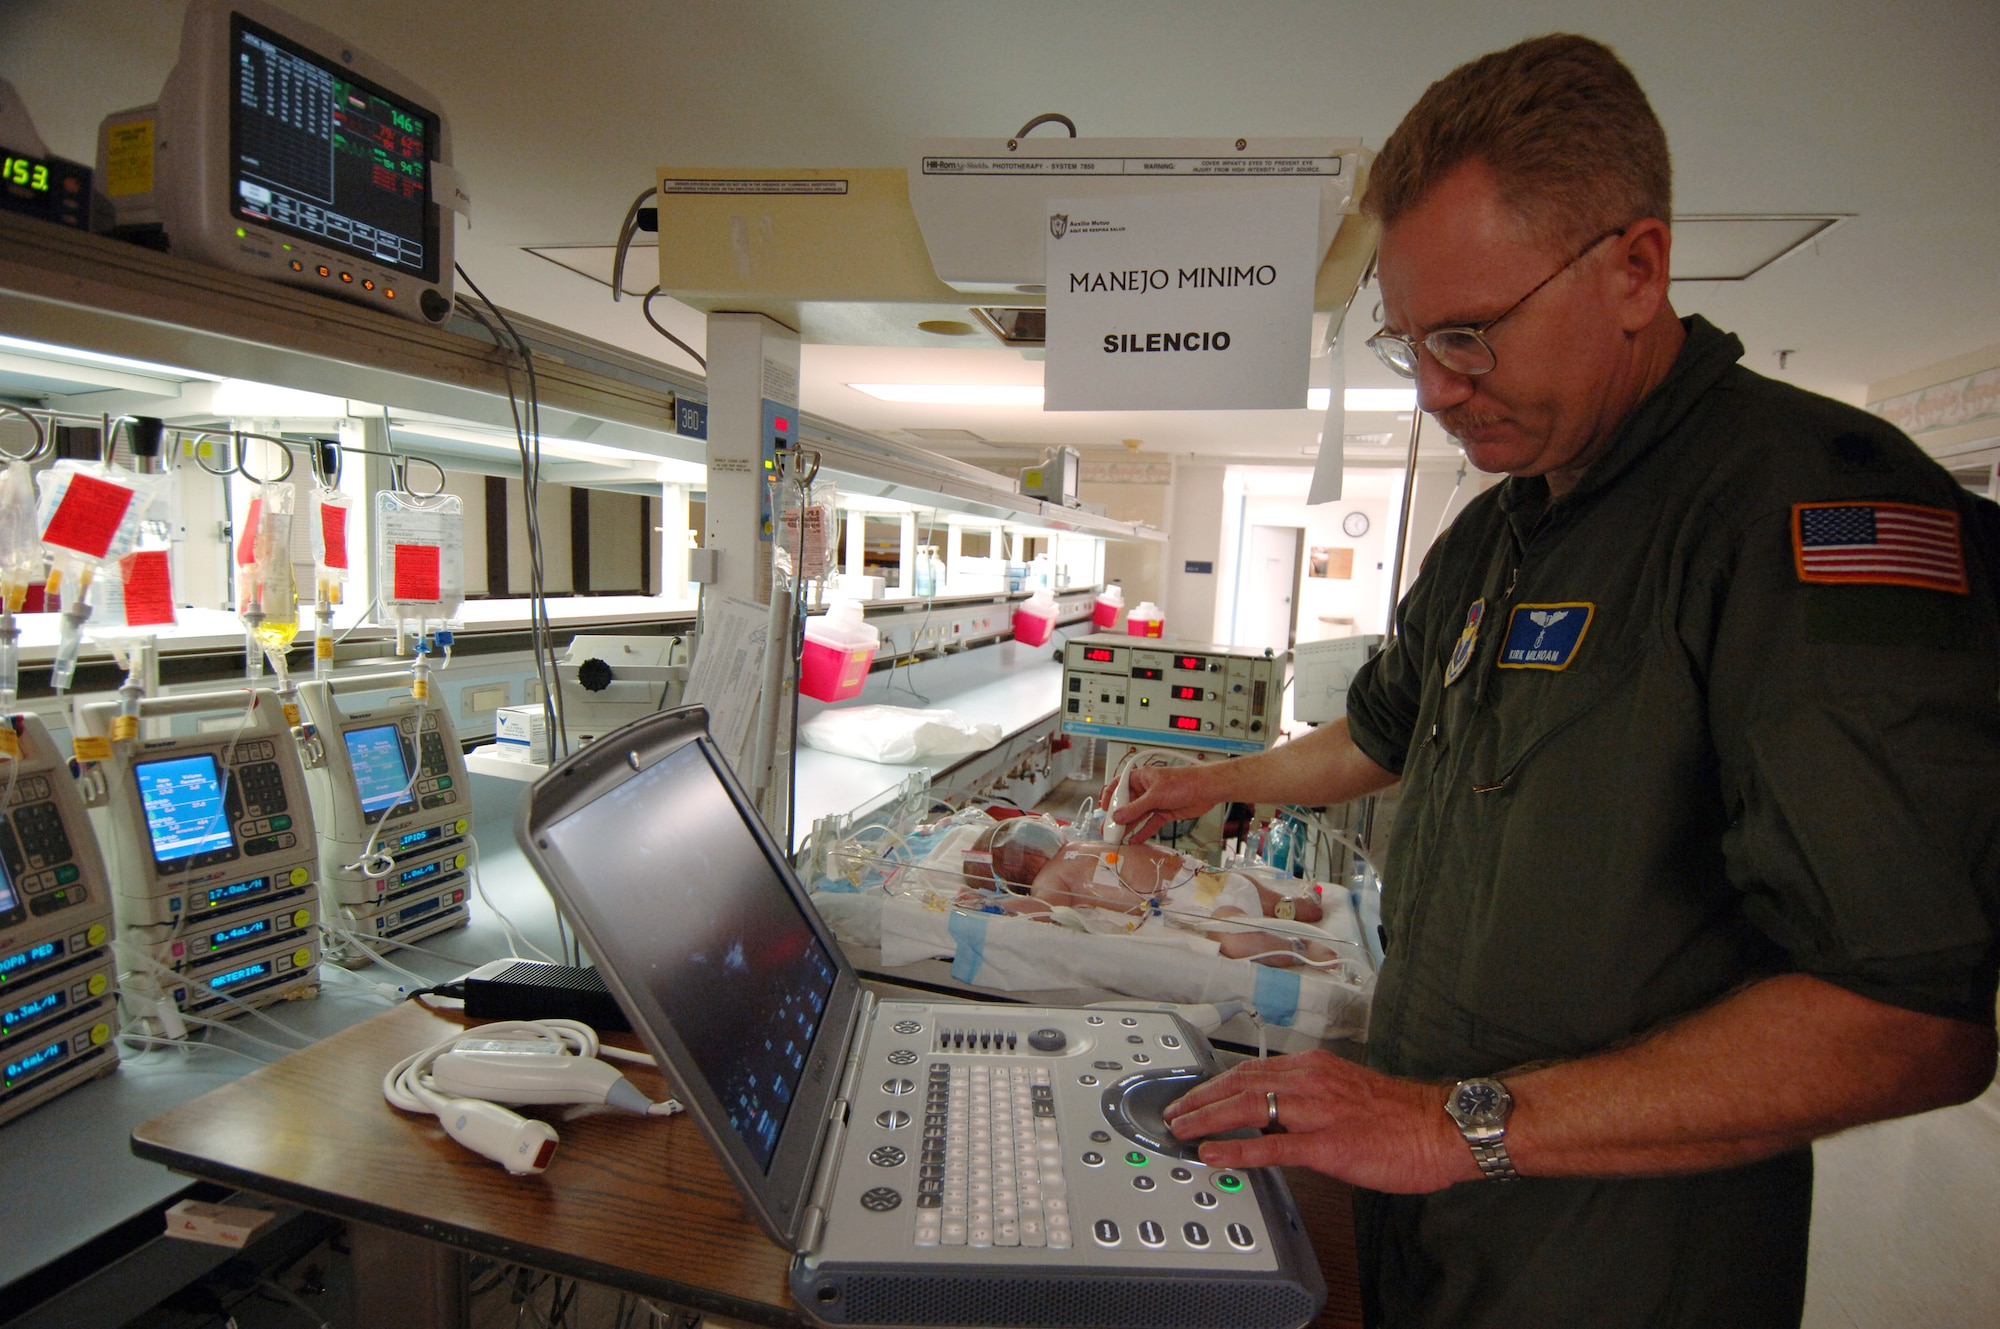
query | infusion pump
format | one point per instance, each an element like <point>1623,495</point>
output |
<point>58,998</point>
<point>393,806</point>
<point>209,838</point>
<point>1222,699</point>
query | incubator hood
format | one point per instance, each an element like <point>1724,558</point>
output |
<point>950,250</point>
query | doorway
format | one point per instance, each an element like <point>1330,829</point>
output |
<point>1267,588</point>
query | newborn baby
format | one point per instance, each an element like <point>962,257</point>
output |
<point>1144,881</point>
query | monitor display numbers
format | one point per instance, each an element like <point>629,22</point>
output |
<point>241,890</point>
<point>185,811</point>
<point>40,1059</point>
<point>322,154</point>
<point>1194,662</point>
<point>418,874</point>
<point>33,1009</point>
<point>24,173</point>
<point>16,962</point>
<point>1183,722</point>
<point>241,932</point>
<point>1097,654</point>
<point>1181,692</point>
<point>381,776</point>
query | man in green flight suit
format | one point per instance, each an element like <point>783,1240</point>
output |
<point>1697,721</point>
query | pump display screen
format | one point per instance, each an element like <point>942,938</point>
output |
<point>319,153</point>
<point>380,775</point>
<point>39,1060</point>
<point>1184,722</point>
<point>34,1008</point>
<point>1189,662</point>
<point>185,815</point>
<point>1184,693</point>
<point>1097,654</point>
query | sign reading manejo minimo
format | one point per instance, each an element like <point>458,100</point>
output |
<point>1193,300</point>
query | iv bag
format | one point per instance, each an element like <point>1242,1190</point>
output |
<point>134,597</point>
<point>20,536</point>
<point>267,592</point>
<point>419,555</point>
<point>331,511</point>
<point>89,514</point>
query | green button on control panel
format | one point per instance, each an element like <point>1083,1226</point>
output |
<point>1135,1158</point>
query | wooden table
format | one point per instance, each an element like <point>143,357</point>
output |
<point>641,1207</point>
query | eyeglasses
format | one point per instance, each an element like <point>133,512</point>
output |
<point>1464,350</point>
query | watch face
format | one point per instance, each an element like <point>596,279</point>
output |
<point>1480,1103</point>
<point>1355,524</point>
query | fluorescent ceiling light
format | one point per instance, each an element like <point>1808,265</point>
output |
<point>241,398</point>
<point>1366,399</point>
<point>45,351</point>
<point>955,394</point>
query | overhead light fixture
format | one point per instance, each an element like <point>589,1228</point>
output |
<point>242,399</point>
<point>70,354</point>
<point>1365,399</point>
<point>955,394</point>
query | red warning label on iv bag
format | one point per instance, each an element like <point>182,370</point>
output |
<point>87,517</point>
<point>416,572</point>
<point>246,539</point>
<point>149,588</point>
<point>333,535</point>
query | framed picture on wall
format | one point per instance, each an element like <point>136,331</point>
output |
<point>1334,561</point>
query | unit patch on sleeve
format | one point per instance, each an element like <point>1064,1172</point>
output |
<point>1545,636</point>
<point>1880,544</point>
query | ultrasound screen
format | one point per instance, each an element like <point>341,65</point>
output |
<point>706,925</point>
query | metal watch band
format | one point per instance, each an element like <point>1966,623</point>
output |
<point>1491,1156</point>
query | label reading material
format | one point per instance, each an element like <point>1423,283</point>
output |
<point>87,517</point>
<point>333,535</point>
<point>416,572</point>
<point>128,159</point>
<point>149,588</point>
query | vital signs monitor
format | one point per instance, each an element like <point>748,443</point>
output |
<point>283,151</point>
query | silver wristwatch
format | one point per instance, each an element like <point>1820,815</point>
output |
<point>1481,1109</point>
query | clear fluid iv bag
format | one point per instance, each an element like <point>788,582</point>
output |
<point>21,556</point>
<point>267,592</point>
<point>419,555</point>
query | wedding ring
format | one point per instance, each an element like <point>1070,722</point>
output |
<point>1271,1109</point>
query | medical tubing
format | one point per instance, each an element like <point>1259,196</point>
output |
<point>514,934</point>
<point>185,1046</point>
<point>129,950</point>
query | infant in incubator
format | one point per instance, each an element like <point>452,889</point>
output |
<point>1142,886</point>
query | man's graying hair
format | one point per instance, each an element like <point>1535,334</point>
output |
<point>1561,122</point>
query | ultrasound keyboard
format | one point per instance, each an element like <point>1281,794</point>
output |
<point>991,1168</point>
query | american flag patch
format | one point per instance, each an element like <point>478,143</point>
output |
<point>1886,544</point>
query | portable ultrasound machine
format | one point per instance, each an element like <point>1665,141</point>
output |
<point>937,1163</point>
<point>58,998</point>
<point>209,838</point>
<point>393,806</point>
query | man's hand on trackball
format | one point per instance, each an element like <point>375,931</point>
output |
<point>1366,1128</point>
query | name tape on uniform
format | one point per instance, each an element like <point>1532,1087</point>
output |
<point>1545,636</point>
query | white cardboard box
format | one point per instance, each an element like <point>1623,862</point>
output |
<point>521,733</point>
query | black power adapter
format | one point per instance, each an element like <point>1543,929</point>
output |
<point>530,990</point>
